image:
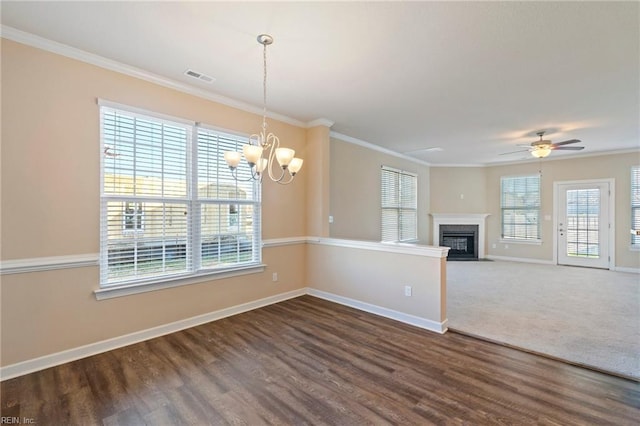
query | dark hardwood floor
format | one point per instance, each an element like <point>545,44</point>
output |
<point>309,361</point>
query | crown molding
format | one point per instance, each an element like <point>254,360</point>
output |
<point>378,148</point>
<point>320,122</point>
<point>33,40</point>
<point>565,157</point>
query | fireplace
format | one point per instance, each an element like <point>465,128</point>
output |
<point>462,241</point>
<point>465,219</point>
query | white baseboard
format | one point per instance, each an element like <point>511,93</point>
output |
<point>550,262</point>
<point>521,259</point>
<point>36,364</point>
<point>47,361</point>
<point>438,327</point>
<point>623,269</point>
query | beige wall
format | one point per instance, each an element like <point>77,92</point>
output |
<point>617,167</point>
<point>317,201</point>
<point>378,278</point>
<point>355,191</point>
<point>50,206</point>
<point>458,189</point>
<point>448,183</point>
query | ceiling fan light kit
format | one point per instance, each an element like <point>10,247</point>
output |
<point>541,151</point>
<point>542,148</point>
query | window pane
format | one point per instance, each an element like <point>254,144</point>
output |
<point>520,203</point>
<point>399,201</point>
<point>635,203</point>
<point>215,180</point>
<point>157,248</point>
<point>142,157</point>
<point>227,234</point>
<point>583,208</point>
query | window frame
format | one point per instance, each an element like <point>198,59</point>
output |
<point>397,205</point>
<point>194,270</point>
<point>512,237</point>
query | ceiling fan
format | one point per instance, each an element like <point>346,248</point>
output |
<point>543,148</point>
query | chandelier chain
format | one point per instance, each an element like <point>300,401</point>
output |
<point>264,88</point>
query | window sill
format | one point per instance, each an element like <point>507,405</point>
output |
<point>120,290</point>
<point>529,242</point>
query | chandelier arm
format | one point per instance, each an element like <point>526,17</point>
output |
<point>234,175</point>
<point>287,182</point>
<point>274,144</point>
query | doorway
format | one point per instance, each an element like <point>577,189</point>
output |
<point>583,231</point>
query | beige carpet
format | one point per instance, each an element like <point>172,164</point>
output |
<point>586,316</point>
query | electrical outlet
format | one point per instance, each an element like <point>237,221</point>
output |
<point>407,290</point>
<point>506,246</point>
<point>493,246</point>
<point>330,219</point>
<point>275,276</point>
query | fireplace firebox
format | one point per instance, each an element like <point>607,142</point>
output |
<point>462,241</point>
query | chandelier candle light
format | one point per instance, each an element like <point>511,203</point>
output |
<point>264,147</point>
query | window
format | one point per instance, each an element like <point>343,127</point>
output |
<point>635,204</point>
<point>520,206</point>
<point>132,216</point>
<point>399,191</point>
<point>169,205</point>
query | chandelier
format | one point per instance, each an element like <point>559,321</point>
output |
<point>263,148</point>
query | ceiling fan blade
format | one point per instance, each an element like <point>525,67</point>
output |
<point>570,141</point>
<point>514,152</point>
<point>567,148</point>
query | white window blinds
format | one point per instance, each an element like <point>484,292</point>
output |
<point>520,206</point>
<point>399,195</point>
<point>169,208</point>
<point>635,204</point>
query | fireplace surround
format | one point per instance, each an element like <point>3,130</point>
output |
<point>479,219</point>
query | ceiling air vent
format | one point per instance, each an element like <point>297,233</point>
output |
<point>199,76</point>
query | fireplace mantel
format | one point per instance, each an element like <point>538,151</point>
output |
<point>461,219</point>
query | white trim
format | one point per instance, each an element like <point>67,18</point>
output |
<point>612,215</point>
<point>402,248</point>
<point>566,157</point>
<point>170,282</point>
<point>51,360</point>
<point>40,363</point>
<point>521,259</point>
<point>462,219</point>
<point>520,241</point>
<point>38,264</point>
<point>33,40</point>
<point>43,264</point>
<point>459,165</point>
<point>276,242</point>
<point>625,269</point>
<point>378,148</point>
<point>145,113</point>
<point>319,122</point>
<point>438,327</point>
<point>537,160</point>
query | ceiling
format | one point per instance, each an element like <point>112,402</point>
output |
<point>474,79</point>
